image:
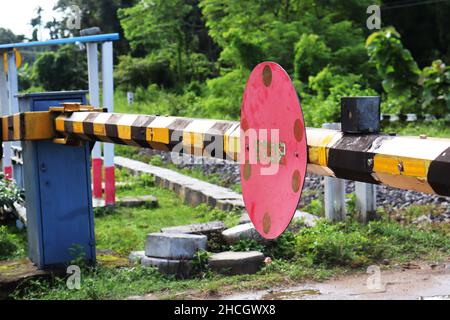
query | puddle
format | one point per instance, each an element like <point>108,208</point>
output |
<point>290,295</point>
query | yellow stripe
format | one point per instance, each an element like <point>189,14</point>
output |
<point>59,123</point>
<point>16,127</point>
<point>99,129</point>
<point>323,150</point>
<point>124,132</point>
<point>401,166</point>
<point>77,127</point>
<point>193,139</point>
<point>157,135</point>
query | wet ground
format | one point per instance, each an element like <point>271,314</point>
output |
<point>411,282</point>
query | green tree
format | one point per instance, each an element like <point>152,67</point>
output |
<point>172,28</point>
<point>398,69</point>
<point>435,81</point>
<point>98,13</point>
<point>7,36</point>
<point>64,69</point>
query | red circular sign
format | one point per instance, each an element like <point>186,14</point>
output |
<point>273,154</point>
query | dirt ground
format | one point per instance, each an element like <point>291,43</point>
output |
<point>414,281</point>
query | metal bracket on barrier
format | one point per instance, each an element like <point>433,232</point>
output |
<point>68,108</point>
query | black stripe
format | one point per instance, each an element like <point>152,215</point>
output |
<point>88,124</point>
<point>438,173</point>
<point>349,159</point>
<point>214,139</point>
<point>68,126</point>
<point>22,126</point>
<point>139,129</point>
<point>111,129</point>
<point>176,131</point>
<point>11,128</point>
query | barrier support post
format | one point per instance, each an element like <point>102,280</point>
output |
<point>6,161</point>
<point>94,98</point>
<point>108,102</point>
<point>366,201</point>
<point>334,190</point>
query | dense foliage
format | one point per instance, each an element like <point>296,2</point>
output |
<point>192,57</point>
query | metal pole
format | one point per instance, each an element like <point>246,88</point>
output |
<point>13,89</point>
<point>94,97</point>
<point>334,190</point>
<point>108,102</point>
<point>4,103</point>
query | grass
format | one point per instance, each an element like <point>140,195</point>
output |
<point>124,229</point>
<point>314,253</point>
<point>300,254</point>
<point>12,242</point>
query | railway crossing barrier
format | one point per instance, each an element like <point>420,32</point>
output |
<point>58,132</point>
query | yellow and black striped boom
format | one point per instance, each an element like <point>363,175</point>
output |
<point>413,163</point>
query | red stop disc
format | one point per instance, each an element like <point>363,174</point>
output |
<point>273,154</point>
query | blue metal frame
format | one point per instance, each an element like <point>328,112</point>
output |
<point>60,218</point>
<point>94,38</point>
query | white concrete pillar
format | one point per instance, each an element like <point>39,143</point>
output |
<point>108,102</point>
<point>334,199</point>
<point>94,97</point>
<point>4,104</point>
<point>366,201</point>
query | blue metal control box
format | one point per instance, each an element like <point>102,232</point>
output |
<point>60,219</point>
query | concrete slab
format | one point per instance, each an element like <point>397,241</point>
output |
<point>179,268</point>
<point>232,263</point>
<point>242,232</point>
<point>174,245</point>
<point>136,256</point>
<point>207,228</point>
<point>192,191</point>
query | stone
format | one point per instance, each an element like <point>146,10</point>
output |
<point>136,256</point>
<point>422,220</point>
<point>179,268</point>
<point>245,218</point>
<point>232,263</point>
<point>207,228</point>
<point>309,220</point>
<point>193,191</point>
<point>174,245</point>
<point>149,201</point>
<point>241,232</point>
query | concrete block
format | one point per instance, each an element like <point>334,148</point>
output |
<point>236,262</point>
<point>241,232</point>
<point>136,256</point>
<point>179,268</point>
<point>309,220</point>
<point>207,229</point>
<point>245,218</point>
<point>174,245</point>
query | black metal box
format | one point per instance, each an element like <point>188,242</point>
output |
<point>360,114</point>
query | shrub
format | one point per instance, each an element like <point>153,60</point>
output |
<point>436,89</point>
<point>398,69</point>
<point>64,69</point>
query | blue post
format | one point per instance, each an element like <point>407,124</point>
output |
<point>58,192</point>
